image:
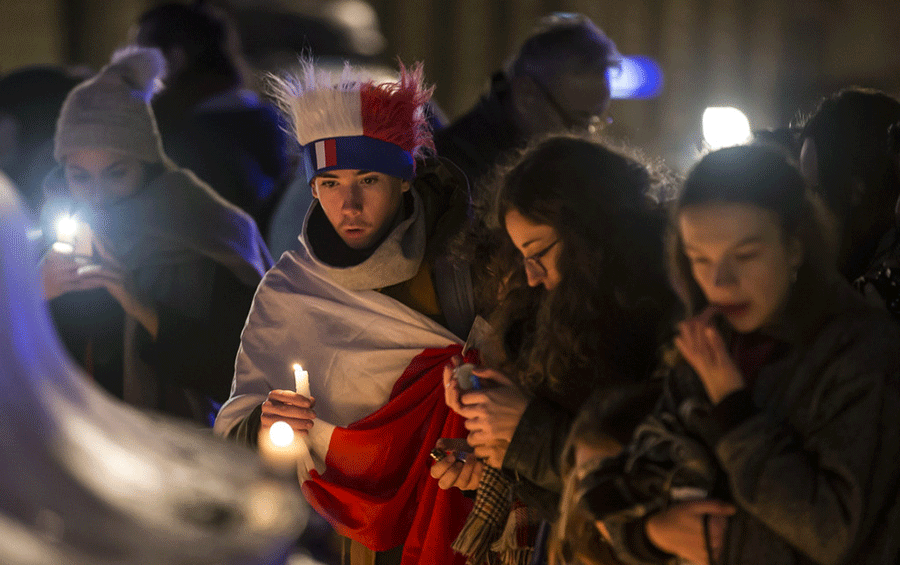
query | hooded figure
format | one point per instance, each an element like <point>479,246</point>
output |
<point>86,480</point>
<point>152,296</point>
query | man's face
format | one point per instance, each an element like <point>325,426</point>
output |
<point>568,101</point>
<point>361,205</point>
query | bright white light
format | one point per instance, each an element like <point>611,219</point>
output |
<point>724,127</point>
<point>281,434</point>
<point>65,228</point>
<point>65,248</point>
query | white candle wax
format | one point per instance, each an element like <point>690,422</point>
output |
<point>301,381</point>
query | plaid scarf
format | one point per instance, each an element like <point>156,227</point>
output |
<point>500,530</point>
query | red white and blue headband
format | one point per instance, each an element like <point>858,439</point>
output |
<point>355,124</point>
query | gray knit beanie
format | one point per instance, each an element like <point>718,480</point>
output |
<point>112,110</point>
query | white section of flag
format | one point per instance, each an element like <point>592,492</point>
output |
<point>320,155</point>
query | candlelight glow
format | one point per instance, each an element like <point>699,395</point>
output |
<point>65,228</point>
<point>61,247</point>
<point>281,434</point>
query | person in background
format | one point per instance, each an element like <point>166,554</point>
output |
<point>30,99</point>
<point>776,439</point>
<point>602,428</point>
<point>556,82</point>
<point>153,307</point>
<point>577,313</point>
<point>210,121</point>
<point>846,160</point>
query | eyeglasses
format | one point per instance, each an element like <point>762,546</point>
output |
<point>534,260</point>
<point>591,123</point>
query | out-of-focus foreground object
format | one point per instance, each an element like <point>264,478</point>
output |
<point>84,479</point>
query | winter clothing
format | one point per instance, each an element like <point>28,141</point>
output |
<point>881,281</point>
<point>379,338</point>
<point>359,124</point>
<point>195,258</point>
<point>111,111</point>
<point>806,452</point>
<point>198,260</point>
<point>433,210</point>
<point>231,140</point>
<point>478,140</point>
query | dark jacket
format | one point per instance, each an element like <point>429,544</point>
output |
<point>481,137</point>
<point>881,282</point>
<point>197,260</point>
<point>237,147</point>
<point>807,454</point>
<point>192,356</point>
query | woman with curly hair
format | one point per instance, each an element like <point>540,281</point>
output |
<point>582,300</point>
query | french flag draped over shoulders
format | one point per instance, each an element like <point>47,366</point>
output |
<point>375,369</point>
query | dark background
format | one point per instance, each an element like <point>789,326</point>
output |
<point>770,58</point>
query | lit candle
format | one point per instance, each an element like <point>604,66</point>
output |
<point>301,381</point>
<point>279,447</point>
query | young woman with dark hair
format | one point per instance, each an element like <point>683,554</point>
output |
<point>154,302</point>
<point>776,438</point>
<point>846,160</point>
<point>582,301</point>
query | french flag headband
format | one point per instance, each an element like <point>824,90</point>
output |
<point>356,124</point>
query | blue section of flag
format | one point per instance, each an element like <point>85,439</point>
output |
<point>361,153</point>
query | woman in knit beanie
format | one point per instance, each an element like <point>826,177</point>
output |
<point>152,273</point>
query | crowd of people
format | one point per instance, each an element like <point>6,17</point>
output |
<point>525,343</point>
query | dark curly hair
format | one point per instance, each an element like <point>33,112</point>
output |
<point>603,321</point>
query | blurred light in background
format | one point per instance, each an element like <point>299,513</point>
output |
<point>725,126</point>
<point>636,77</point>
<point>361,20</point>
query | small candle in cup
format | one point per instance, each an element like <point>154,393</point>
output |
<point>278,446</point>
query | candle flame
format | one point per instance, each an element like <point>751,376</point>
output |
<point>281,434</point>
<point>297,367</point>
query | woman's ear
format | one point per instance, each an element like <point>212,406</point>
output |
<point>404,186</point>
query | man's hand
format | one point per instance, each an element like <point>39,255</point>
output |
<point>679,530</point>
<point>288,406</point>
<point>450,472</point>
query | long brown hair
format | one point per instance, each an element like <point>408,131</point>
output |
<point>762,176</point>
<point>602,322</point>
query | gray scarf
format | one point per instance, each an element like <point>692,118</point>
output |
<point>395,260</point>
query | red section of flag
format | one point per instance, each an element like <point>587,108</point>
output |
<point>378,489</point>
<point>330,153</point>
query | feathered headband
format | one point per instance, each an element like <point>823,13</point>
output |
<point>354,123</point>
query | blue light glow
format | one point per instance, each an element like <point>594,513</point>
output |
<point>637,77</point>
